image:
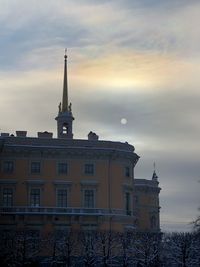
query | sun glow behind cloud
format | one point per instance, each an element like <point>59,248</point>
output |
<point>132,71</point>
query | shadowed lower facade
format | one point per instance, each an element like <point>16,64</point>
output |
<point>51,183</point>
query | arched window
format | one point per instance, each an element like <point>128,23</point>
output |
<point>65,128</point>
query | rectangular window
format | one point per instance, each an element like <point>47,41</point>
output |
<point>8,166</point>
<point>62,168</point>
<point>89,168</point>
<point>89,198</point>
<point>35,167</point>
<point>62,197</point>
<point>128,206</point>
<point>127,171</point>
<point>35,197</point>
<point>7,197</point>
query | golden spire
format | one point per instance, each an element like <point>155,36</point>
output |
<point>65,86</point>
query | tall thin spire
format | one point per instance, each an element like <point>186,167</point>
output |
<point>154,166</point>
<point>65,117</point>
<point>65,86</point>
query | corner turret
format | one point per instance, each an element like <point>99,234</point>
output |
<point>154,176</point>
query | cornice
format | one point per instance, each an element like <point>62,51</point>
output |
<point>147,189</point>
<point>8,181</point>
<point>69,152</point>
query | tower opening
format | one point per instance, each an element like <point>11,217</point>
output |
<point>65,128</point>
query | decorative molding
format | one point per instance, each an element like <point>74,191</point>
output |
<point>35,182</point>
<point>8,181</point>
<point>62,183</point>
<point>89,182</point>
<point>58,148</point>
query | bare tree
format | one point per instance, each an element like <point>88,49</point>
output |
<point>196,223</point>
<point>67,247</point>
<point>89,253</point>
<point>7,247</point>
<point>146,249</point>
<point>19,247</point>
<point>181,249</point>
<point>107,247</point>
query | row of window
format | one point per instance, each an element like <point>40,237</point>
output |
<point>35,167</point>
<point>61,197</point>
<point>62,167</point>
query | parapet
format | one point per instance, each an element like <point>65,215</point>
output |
<point>45,135</point>
<point>21,133</point>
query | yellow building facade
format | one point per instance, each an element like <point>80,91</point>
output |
<point>51,183</point>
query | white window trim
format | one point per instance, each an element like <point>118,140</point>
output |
<point>83,197</point>
<point>94,165</point>
<point>35,187</point>
<point>2,166</point>
<point>130,170</point>
<point>7,183</point>
<point>41,167</point>
<point>62,188</point>
<point>131,200</point>
<point>13,194</point>
<point>57,168</point>
<point>63,184</point>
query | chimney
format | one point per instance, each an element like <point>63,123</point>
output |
<point>21,133</point>
<point>92,136</point>
<point>5,134</point>
<point>45,135</point>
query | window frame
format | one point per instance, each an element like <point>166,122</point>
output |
<point>65,128</point>
<point>8,170</point>
<point>128,206</point>
<point>30,196</point>
<point>88,172</point>
<point>31,167</point>
<point>7,198</point>
<point>58,168</point>
<point>57,197</point>
<point>84,198</point>
<point>127,171</point>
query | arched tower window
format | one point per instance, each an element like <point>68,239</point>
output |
<point>65,128</point>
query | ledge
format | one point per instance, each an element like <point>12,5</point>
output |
<point>63,211</point>
<point>8,181</point>
<point>35,182</point>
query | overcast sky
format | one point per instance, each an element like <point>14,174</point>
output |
<point>132,59</point>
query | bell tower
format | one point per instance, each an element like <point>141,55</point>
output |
<point>65,117</point>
